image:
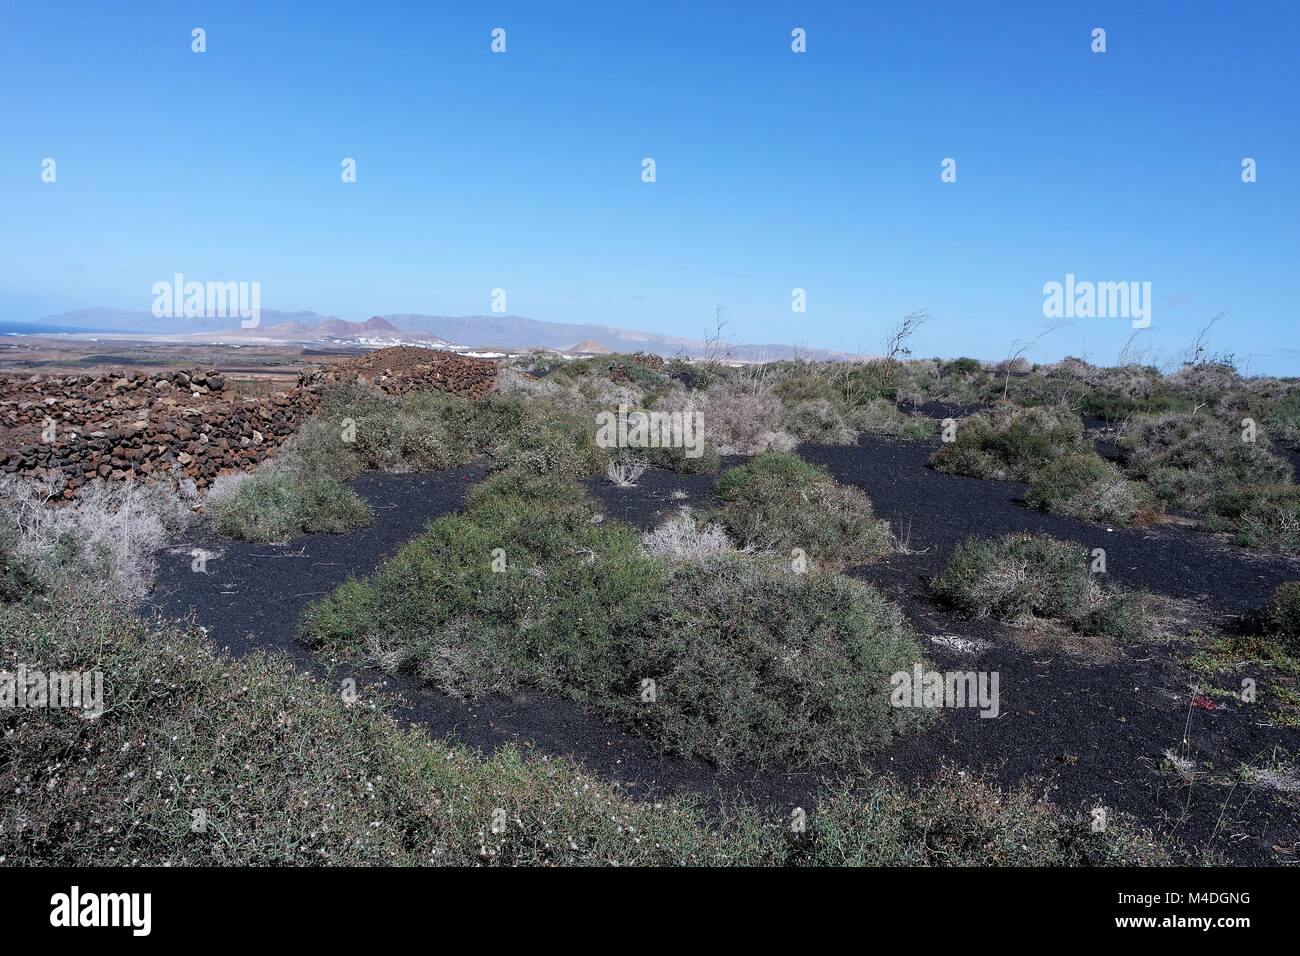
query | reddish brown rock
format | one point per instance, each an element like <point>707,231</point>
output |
<point>188,424</point>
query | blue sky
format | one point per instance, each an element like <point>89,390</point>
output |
<point>775,170</point>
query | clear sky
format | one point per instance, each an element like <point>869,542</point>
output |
<point>775,170</point>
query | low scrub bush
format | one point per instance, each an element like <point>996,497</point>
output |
<point>792,389</point>
<point>1010,443</point>
<point>1280,618</point>
<point>683,538</point>
<point>1209,376</point>
<point>675,458</point>
<point>1118,407</point>
<point>1258,516</point>
<point>102,542</point>
<point>960,819</point>
<point>1084,485</point>
<point>273,504</point>
<point>1191,458</point>
<point>741,421</point>
<point>548,442</point>
<point>961,366</point>
<point>286,771</point>
<point>1019,577</point>
<point>16,581</point>
<point>1283,614</point>
<point>525,590</point>
<point>961,381</point>
<point>511,380</point>
<point>779,502</point>
<point>359,427</point>
<point>754,663</point>
<point>1191,490</point>
<point>881,417</point>
<point>819,421</point>
<point>320,448</point>
<point>474,619</point>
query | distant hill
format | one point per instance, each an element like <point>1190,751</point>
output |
<point>470,331</point>
<point>589,347</point>
<point>102,319</point>
<point>517,332</point>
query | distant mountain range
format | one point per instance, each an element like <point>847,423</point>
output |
<point>500,332</point>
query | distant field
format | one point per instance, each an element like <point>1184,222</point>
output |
<point>52,356</point>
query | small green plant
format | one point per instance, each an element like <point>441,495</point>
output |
<point>1283,613</point>
<point>548,442</point>
<point>273,505</point>
<point>674,458</point>
<point>1084,485</point>
<point>1258,516</point>
<point>817,420</point>
<point>1196,462</point>
<point>962,366</point>
<point>15,581</point>
<point>779,502</point>
<point>882,417</point>
<point>1020,577</point>
<point>1279,619</point>
<point>1010,443</point>
<point>796,388</point>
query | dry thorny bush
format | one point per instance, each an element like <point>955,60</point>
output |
<point>103,542</point>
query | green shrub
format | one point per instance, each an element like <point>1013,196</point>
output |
<point>273,505</point>
<point>1211,453</point>
<point>793,389</point>
<point>779,502</point>
<point>1284,610</point>
<point>751,662</point>
<point>631,368</point>
<point>960,382</point>
<point>882,417</point>
<point>1117,407</point>
<point>962,366</point>
<point>548,442</point>
<point>15,580</point>
<point>959,819</point>
<point>1084,485</point>
<point>1010,443</point>
<point>319,449</point>
<point>817,420</point>
<point>419,431</point>
<point>1024,576</point>
<point>1266,516</point>
<point>354,399</point>
<point>616,368</point>
<point>288,773</point>
<point>1192,490</point>
<point>775,465</point>
<point>473,619</point>
<point>474,426</point>
<point>676,459</point>
<point>1280,619</point>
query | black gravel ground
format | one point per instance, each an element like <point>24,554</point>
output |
<point>1098,723</point>
<point>1088,726</point>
